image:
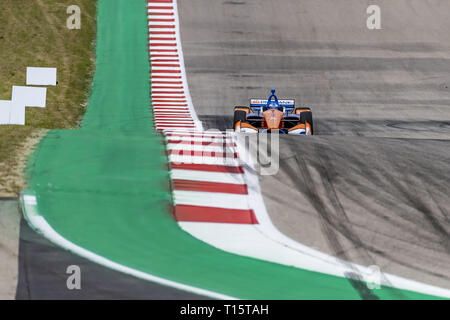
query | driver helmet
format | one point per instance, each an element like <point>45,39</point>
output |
<point>274,105</point>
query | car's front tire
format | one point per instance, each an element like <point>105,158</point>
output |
<point>306,116</point>
<point>239,115</point>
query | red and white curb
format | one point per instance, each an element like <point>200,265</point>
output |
<point>217,196</point>
<point>172,104</point>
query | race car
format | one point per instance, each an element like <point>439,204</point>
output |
<point>273,115</point>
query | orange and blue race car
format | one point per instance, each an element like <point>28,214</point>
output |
<point>273,115</point>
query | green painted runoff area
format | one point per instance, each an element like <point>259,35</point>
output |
<point>105,186</point>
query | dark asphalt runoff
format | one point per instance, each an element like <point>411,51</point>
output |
<point>43,276</point>
<point>372,186</point>
<point>9,247</point>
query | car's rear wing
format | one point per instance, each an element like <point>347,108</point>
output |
<point>259,103</point>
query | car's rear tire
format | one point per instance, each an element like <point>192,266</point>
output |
<point>239,115</point>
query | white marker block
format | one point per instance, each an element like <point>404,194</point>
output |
<point>29,96</point>
<point>41,76</point>
<point>17,114</point>
<point>5,111</point>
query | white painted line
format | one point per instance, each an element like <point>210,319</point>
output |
<point>180,91</point>
<point>161,23</point>
<point>151,41</point>
<point>169,126</point>
<point>200,139</point>
<point>168,95</point>
<point>199,147</point>
<point>169,105</point>
<point>161,97</point>
<point>149,10</point>
<point>173,121</point>
<point>171,108</point>
<point>158,68</point>
<point>211,199</point>
<point>196,133</point>
<point>207,176</point>
<point>180,159</point>
<point>170,116</point>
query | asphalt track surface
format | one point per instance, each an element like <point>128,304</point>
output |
<point>9,247</point>
<point>372,185</point>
